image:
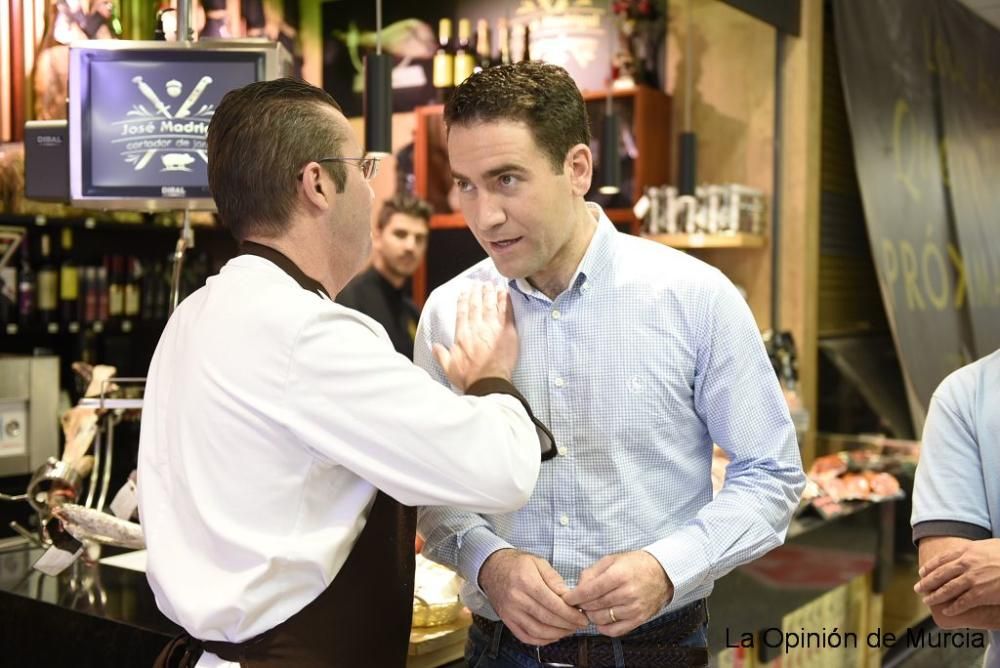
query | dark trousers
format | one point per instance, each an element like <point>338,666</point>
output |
<point>678,638</point>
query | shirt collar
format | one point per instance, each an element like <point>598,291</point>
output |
<point>285,264</point>
<point>593,263</point>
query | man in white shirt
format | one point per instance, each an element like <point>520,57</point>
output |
<point>284,443</point>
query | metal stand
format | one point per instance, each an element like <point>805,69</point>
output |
<point>54,472</point>
<point>184,241</point>
<point>104,442</point>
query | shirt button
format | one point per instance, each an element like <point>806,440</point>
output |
<point>564,520</point>
<point>562,450</point>
<point>556,314</point>
<point>559,382</point>
<point>584,287</point>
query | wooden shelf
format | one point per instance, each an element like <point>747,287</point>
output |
<point>447,221</point>
<point>455,221</point>
<point>739,240</point>
<point>632,91</point>
<point>36,330</point>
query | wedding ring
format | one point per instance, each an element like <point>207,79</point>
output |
<point>611,613</point>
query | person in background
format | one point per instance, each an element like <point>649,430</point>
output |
<point>276,491</point>
<point>638,357</point>
<point>399,243</point>
<point>956,502</point>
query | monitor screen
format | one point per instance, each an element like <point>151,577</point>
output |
<point>139,121</point>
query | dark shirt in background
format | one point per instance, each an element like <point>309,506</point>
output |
<point>379,299</point>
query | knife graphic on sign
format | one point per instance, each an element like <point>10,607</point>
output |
<point>196,92</point>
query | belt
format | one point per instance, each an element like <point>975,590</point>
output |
<point>651,648</point>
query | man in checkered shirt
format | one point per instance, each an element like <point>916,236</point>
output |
<point>638,357</point>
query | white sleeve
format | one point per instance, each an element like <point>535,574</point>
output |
<point>359,404</point>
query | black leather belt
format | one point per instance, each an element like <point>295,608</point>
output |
<point>653,648</point>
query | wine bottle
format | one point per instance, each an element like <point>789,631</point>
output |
<point>91,296</point>
<point>116,288</point>
<point>484,51</point>
<point>132,288</point>
<point>444,61</point>
<point>503,41</point>
<point>465,60</point>
<point>25,289</point>
<point>69,281</point>
<point>101,287</point>
<point>48,284</point>
<point>8,295</point>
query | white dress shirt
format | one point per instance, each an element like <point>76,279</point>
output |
<point>272,415</point>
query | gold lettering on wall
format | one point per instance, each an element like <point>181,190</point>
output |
<point>917,155</point>
<point>926,277</point>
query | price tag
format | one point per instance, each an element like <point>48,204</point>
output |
<point>64,551</point>
<point>126,501</point>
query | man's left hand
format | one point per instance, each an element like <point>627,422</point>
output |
<point>964,578</point>
<point>621,591</point>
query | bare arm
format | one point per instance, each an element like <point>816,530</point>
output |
<point>945,561</point>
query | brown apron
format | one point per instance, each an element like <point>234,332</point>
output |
<point>362,618</point>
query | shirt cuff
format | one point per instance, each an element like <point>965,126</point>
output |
<point>485,386</point>
<point>683,558</point>
<point>949,528</point>
<point>477,545</point>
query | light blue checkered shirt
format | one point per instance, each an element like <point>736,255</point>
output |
<point>647,358</point>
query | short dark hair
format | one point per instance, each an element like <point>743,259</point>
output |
<point>259,139</point>
<point>542,96</point>
<point>405,204</point>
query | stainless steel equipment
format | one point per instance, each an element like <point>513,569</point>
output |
<point>29,419</point>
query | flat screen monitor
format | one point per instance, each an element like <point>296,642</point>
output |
<point>139,115</point>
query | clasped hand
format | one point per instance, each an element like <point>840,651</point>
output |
<point>616,594</point>
<point>964,578</point>
<point>622,591</point>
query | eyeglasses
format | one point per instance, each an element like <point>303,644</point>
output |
<point>368,166</point>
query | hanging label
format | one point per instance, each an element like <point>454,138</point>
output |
<point>126,501</point>
<point>64,551</point>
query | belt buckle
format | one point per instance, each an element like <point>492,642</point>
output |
<point>549,664</point>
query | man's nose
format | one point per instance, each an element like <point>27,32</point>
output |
<point>489,212</point>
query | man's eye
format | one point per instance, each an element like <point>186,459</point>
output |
<point>508,180</point>
<point>463,186</point>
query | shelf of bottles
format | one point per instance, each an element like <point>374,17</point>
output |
<point>722,240</point>
<point>459,55</point>
<point>84,278</point>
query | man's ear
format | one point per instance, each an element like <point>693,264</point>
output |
<point>580,168</point>
<point>312,187</point>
